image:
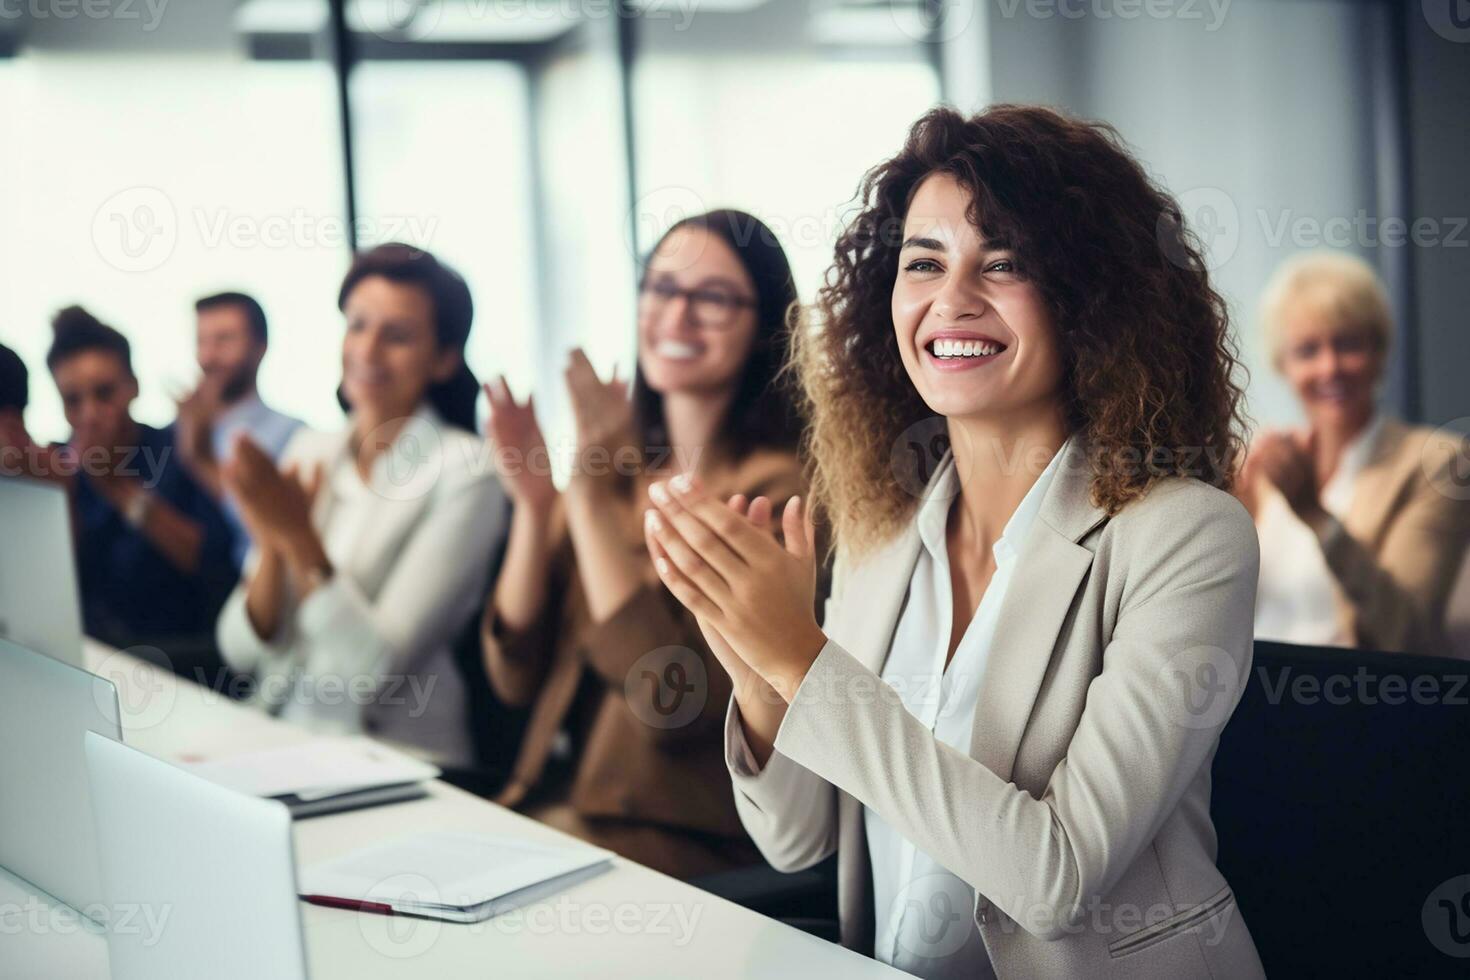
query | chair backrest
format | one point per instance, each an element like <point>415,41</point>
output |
<point>1341,795</point>
<point>495,728</point>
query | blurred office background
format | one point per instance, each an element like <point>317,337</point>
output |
<point>152,151</point>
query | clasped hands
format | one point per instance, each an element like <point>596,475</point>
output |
<point>752,594</point>
<point>1286,460</point>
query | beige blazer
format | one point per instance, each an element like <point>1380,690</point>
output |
<point>1081,815</point>
<point>1405,537</point>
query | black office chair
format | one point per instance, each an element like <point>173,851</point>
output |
<point>496,729</point>
<point>1336,821</point>
<point>1339,814</point>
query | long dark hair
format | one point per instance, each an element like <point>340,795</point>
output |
<point>762,413</point>
<point>455,398</point>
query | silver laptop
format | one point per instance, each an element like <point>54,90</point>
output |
<point>39,608</point>
<point>46,830</point>
<point>200,879</point>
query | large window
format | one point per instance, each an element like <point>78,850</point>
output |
<point>145,169</point>
<point>443,162</point>
<point>133,185</point>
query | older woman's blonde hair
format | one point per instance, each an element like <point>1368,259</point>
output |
<point>1340,287</point>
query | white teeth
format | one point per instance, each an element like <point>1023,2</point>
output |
<point>674,350</point>
<point>964,348</point>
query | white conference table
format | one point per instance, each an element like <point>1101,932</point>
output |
<point>628,922</point>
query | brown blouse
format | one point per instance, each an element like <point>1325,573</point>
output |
<point>643,699</point>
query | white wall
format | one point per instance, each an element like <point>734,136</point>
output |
<point>1257,114</point>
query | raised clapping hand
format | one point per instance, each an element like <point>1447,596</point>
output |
<point>520,449</point>
<point>753,595</point>
<point>604,418</point>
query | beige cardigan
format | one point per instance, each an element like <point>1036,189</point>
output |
<point>1396,555</point>
<point>1081,815</point>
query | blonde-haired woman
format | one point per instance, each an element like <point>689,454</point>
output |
<point>1360,542</point>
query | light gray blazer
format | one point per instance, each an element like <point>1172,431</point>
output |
<point>1081,815</point>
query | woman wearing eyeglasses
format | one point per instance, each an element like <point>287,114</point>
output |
<point>1363,520</point>
<point>626,703</point>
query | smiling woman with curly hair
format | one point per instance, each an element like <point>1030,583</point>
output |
<point>1148,363</point>
<point>1025,414</point>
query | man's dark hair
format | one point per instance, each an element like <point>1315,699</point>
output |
<point>14,381</point>
<point>254,315</point>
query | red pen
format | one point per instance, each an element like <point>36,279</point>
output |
<point>332,902</point>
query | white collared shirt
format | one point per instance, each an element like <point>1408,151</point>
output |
<point>1297,595</point>
<point>923,913</point>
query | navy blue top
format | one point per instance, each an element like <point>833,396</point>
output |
<point>131,593</point>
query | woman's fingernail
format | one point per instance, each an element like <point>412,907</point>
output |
<point>662,564</point>
<point>681,483</point>
<point>658,493</point>
<point>650,517</point>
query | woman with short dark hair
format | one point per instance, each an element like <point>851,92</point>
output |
<point>153,549</point>
<point>373,544</point>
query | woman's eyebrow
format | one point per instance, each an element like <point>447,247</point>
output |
<point>918,241</point>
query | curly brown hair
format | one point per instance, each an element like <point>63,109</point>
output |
<point>1149,363</point>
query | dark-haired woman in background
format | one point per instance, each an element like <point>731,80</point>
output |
<point>153,549</point>
<point>373,544</point>
<point>623,744</point>
<point>1005,724</point>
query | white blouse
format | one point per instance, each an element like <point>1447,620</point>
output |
<point>1297,596</point>
<point>371,649</point>
<point>921,909</point>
